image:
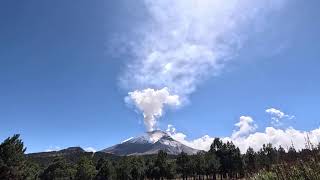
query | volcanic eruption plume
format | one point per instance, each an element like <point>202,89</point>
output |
<point>183,43</point>
<point>151,103</point>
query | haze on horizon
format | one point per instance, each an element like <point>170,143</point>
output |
<point>94,74</point>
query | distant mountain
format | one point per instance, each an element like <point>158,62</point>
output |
<point>147,144</point>
<point>71,154</point>
<point>150,143</point>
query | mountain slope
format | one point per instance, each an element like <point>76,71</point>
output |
<point>150,143</point>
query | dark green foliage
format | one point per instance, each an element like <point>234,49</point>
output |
<point>267,156</point>
<point>32,171</point>
<point>59,169</point>
<point>212,164</point>
<point>105,169</point>
<point>161,163</point>
<point>85,169</point>
<point>250,161</point>
<point>123,169</point>
<point>200,163</point>
<point>132,167</point>
<point>223,161</point>
<point>231,164</point>
<point>137,168</point>
<point>281,154</point>
<point>183,165</point>
<point>12,161</point>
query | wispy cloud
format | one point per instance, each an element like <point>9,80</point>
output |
<point>277,116</point>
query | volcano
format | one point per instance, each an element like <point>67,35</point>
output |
<point>150,143</point>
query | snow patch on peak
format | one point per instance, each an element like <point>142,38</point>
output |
<point>138,140</point>
<point>127,140</point>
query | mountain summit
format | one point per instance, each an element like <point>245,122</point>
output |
<point>150,143</point>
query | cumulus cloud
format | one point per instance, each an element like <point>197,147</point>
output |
<point>202,143</point>
<point>277,115</point>
<point>284,137</point>
<point>245,125</point>
<point>151,102</point>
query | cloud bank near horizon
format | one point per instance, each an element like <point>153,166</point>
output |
<point>187,41</point>
<point>246,136</point>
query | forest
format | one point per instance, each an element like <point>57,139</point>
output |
<point>223,161</point>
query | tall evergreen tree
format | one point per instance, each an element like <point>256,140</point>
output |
<point>250,161</point>
<point>200,164</point>
<point>12,160</point>
<point>212,164</point>
<point>183,161</point>
<point>281,154</point>
<point>161,163</point>
<point>267,156</point>
<point>292,154</point>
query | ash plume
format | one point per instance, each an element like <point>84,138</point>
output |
<point>185,42</point>
<point>151,103</point>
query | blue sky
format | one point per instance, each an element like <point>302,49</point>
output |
<point>60,65</point>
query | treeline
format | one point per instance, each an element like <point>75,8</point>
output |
<point>222,161</point>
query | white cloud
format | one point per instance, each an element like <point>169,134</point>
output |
<point>248,138</point>
<point>202,143</point>
<point>275,112</point>
<point>245,127</point>
<point>277,116</point>
<point>277,137</point>
<point>90,149</point>
<point>151,102</point>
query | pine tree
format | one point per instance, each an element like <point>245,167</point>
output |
<point>200,164</point>
<point>212,164</point>
<point>12,160</point>
<point>281,154</point>
<point>250,161</point>
<point>161,163</point>
<point>183,161</point>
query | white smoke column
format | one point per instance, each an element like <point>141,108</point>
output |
<point>186,41</point>
<point>151,102</point>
